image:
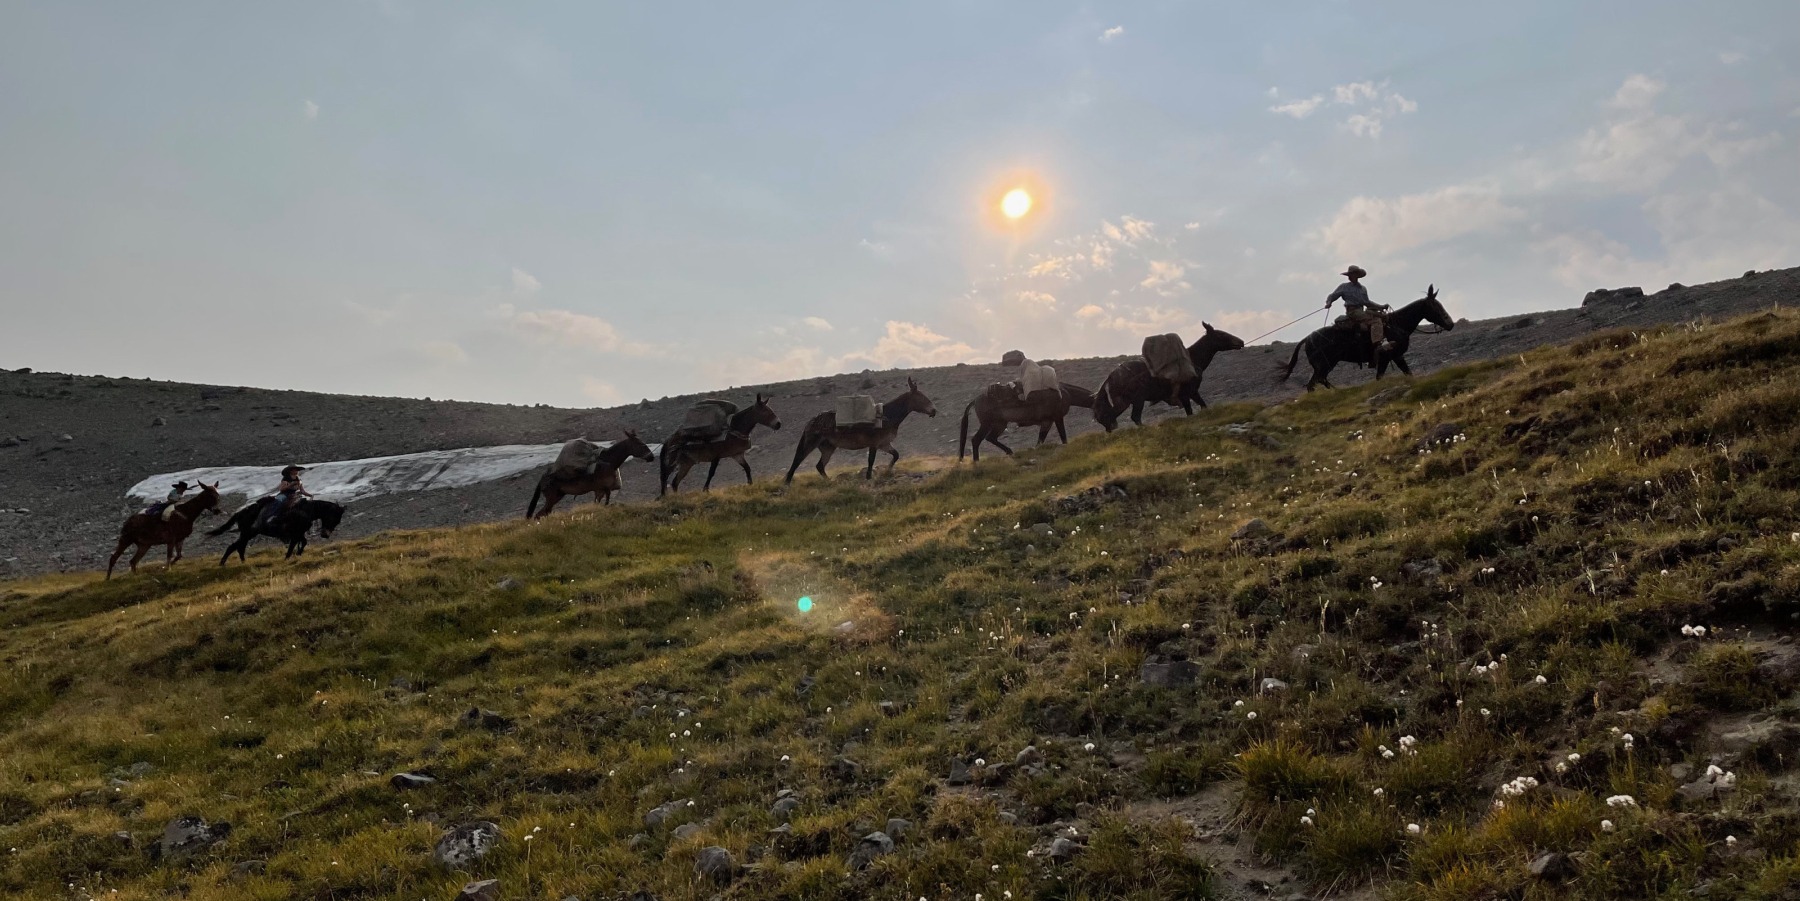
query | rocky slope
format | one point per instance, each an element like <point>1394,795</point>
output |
<point>70,445</point>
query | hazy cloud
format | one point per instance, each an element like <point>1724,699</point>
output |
<point>1637,92</point>
<point>817,323</point>
<point>448,353</point>
<point>1111,34</point>
<point>1165,277</point>
<point>524,283</point>
<point>310,109</point>
<point>1299,109</point>
<point>1037,299</point>
<point>567,328</point>
<point>1368,228</point>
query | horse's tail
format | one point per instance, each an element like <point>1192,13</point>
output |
<point>231,523</point>
<point>1295,360</point>
<point>801,449</point>
<point>536,493</point>
<point>962,437</point>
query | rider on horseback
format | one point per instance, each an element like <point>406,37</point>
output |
<point>166,509</point>
<point>285,494</point>
<point>1358,309</point>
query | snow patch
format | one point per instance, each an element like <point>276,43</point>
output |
<point>344,481</point>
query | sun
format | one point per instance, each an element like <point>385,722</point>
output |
<point>1016,203</point>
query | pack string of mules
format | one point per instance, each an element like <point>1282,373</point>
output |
<point>1166,372</point>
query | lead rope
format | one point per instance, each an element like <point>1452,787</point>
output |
<point>1278,328</point>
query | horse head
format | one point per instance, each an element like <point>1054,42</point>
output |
<point>329,516</point>
<point>636,447</point>
<point>1217,340</point>
<point>765,414</point>
<point>916,401</point>
<point>208,498</point>
<point>1434,309</point>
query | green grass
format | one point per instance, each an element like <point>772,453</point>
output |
<point>1604,496</point>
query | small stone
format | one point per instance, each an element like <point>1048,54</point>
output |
<point>509,584</point>
<point>187,836</point>
<point>1171,674</point>
<point>405,781</point>
<point>959,773</point>
<point>485,890</point>
<point>1028,756</point>
<point>463,845</point>
<point>158,422</point>
<point>475,717</point>
<point>846,769</point>
<point>715,863</point>
<point>685,831</point>
<point>873,845</point>
<point>1551,865</point>
<point>1063,849</point>
<point>897,828</point>
<point>248,868</point>
<point>1008,817</point>
<point>784,807</point>
<point>1043,528</point>
<point>1272,685</point>
<point>1680,771</point>
<point>1252,530</point>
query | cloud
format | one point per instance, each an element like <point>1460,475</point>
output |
<point>567,328</point>
<point>1364,126</point>
<point>879,249</point>
<point>448,353</point>
<point>911,344</point>
<point>1637,92</point>
<point>310,109</point>
<point>817,323</point>
<point>1111,34</point>
<point>1037,299</point>
<point>1165,277</point>
<point>1191,226</point>
<point>1368,228</point>
<point>1358,92</point>
<point>1299,109</point>
<point>524,283</point>
<point>1731,58</point>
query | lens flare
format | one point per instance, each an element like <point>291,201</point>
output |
<point>1016,203</point>
<point>805,605</point>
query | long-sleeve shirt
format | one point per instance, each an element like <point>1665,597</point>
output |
<point>1354,296</point>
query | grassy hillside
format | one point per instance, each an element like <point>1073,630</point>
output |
<point>1502,611</point>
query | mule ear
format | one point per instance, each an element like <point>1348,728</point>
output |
<point>1431,290</point>
<point>1206,325</point>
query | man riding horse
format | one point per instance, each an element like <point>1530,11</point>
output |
<point>1359,311</point>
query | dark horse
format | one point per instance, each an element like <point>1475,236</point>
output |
<point>826,436</point>
<point>1336,344</point>
<point>147,530</point>
<point>1000,406</point>
<point>603,481</point>
<point>1132,386</point>
<point>290,527</point>
<point>687,453</point>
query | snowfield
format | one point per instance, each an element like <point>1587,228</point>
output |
<point>344,481</point>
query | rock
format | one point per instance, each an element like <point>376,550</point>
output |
<point>509,584</point>
<point>1701,789</point>
<point>1386,396</point>
<point>405,781</point>
<point>715,863</point>
<point>463,845</point>
<point>1425,571</point>
<point>1439,435</point>
<point>1749,272</point>
<point>804,686</point>
<point>1252,530</point>
<point>685,831</point>
<point>248,868</point>
<point>128,773</point>
<point>1779,667</point>
<point>1272,685</point>
<point>1680,771</point>
<point>1064,848</point>
<point>1675,286</point>
<point>1605,295</point>
<point>1028,756</point>
<point>1008,817</point>
<point>1172,674</point>
<point>1304,651</point>
<point>873,845</point>
<point>485,890</point>
<point>959,773</point>
<point>897,828</point>
<point>1043,528</point>
<point>477,718</point>
<point>1768,742</point>
<point>662,814</point>
<point>65,438</point>
<point>888,708</point>
<point>844,768</point>
<point>158,422</point>
<point>9,441</point>
<point>123,838</point>
<point>845,628</point>
<point>187,836</point>
<point>1013,358</point>
<point>784,808</point>
<point>1551,865</point>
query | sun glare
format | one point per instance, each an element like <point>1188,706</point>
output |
<point>1016,203</point>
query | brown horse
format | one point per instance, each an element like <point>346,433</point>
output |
<point>686,454</point>
<point>1000,406</point>
<point>826,436</point>
<point>147,531</point>
<point>1132,385</point>
<point>1336,344</point>
<point>602,482</point>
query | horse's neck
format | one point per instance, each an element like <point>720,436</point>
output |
<point>744,421</point>
<point>894,411</point>
<point>615,454</point>
<point>1203,353</point>
<point>193,504</point>
<point>1407,318</point>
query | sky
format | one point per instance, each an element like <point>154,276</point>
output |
<point>584,203</point>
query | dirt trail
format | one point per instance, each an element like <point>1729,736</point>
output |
<point>70,445</point>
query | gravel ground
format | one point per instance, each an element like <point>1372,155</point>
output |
<point>71,445</point>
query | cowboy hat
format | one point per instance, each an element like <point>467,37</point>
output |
<point>180,486</point>
<point>1355,272</point>
<point>294,469</point>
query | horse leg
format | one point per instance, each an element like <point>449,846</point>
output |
<point>896,455</point>
<point>869,471</point>
<point>117,552</point>
<point>825,452</point>
<point>1137,413</point>
<point>710,470</point>
<point>168,555</point>
<point>746,464</point>
<point>1043,432</point>
<point>680,473</point>
<point>552,495</point>
<point>993,439</point>
<point>1061,433</point>
<point>800,452</point>
<point>1400,362</point>
<point>142,549</point>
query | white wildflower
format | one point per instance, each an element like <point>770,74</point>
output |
<point>1606,825</point>
<point>1621,801</point>
<point>1413,829</point>
<point>1306,821</point>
